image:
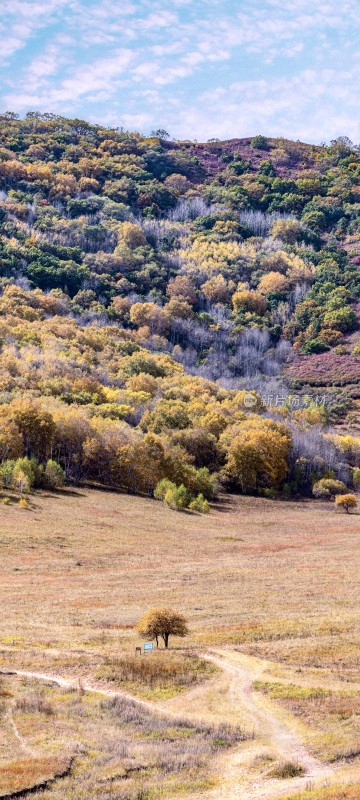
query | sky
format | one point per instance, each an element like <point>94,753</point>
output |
<point>197,68</point>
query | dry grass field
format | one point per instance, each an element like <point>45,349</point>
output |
<point>261,700</point>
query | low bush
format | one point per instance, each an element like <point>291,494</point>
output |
<point>34,704</point>
<point>23,503</point>
<point>289,769</point>
<point>24,474</point>
<point>156,671</point>
<point>328,487</point>
<point>54,475</point>
<point>179,498</point>
<point>356,477</point>
<point>199,504</point>
<point>260,142</point>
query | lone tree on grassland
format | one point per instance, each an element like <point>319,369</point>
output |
<point>346,501</point>
<point>162,622</point>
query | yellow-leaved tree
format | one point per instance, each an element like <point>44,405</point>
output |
<point>273,282</point>
<point>288,230</point>
<point>248,300</point>
<point>346,501</point>
<point>162,623</point>
<point>257,452</point>
<point>11,441</point>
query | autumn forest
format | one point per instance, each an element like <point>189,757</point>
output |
<point>178,318</point>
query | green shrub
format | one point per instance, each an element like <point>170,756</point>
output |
<point>199,504</point>
<point>342,319</point>
<point>269,492</point>
<point>24,474</point>
<point>54,475</point>
<point>260,142</point>
<point>177,497</point>
<point>162,487</point>
<point>315,346</point>
<point>6,473</point>
<point>356,477</point>
<point>328,487</point>
<point>204,483</point>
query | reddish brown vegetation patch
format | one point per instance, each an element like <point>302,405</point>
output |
<point>324,369</point>
<point>210,154</point>
<point>18,777</point>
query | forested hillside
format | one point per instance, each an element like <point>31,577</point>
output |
<point>177,312</point>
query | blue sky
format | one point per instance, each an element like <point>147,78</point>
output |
<point>199,68</point>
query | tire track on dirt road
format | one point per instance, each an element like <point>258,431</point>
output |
<point>273,735</point>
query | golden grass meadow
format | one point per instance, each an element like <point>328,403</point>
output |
<point>260,700</point>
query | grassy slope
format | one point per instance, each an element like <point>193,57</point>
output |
<point>94,561</point>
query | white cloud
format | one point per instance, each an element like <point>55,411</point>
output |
<point>136,121</point>
<point>167,49</point>
<point>9,47</point>
<point>97,80</point>
<point>162,19</point>
<point>268,66</point>
<point>305,106</point>
<point>21,20</point>
<point>43,66</point>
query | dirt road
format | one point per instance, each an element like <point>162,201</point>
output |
<point>244,771</point>
<point>274,738</point>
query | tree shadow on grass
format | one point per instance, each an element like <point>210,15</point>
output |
<point>53,493</point>
<point>225,505</point>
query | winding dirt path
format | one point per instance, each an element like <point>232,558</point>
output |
<point>22,741</point>
<point>68,683</point>
<point>243,770</point>
<point>274,736</point>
